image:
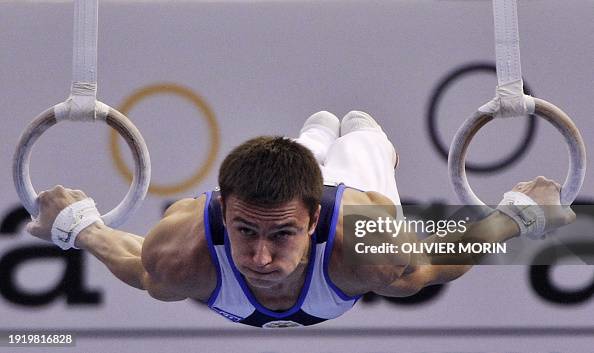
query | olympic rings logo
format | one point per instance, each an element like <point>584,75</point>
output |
<point>213,127</point>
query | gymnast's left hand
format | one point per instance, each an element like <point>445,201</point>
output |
<point>51,202</point>
<point>547,192</point>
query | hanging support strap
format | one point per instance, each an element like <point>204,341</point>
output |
<point>82,104</point>
<point>510,100</point>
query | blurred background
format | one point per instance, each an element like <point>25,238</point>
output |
<point>199,77</point>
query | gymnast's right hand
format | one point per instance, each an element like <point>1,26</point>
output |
<point>51,203</point>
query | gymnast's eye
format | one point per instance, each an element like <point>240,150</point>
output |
<point>283,234</point>
<point>246,231</point>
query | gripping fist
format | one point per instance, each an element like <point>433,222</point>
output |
<point>546,192</point>
<point>51,202</point>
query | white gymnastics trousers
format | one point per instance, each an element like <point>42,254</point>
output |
<point>362,158</point>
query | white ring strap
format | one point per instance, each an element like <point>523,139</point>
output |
<point>510,100</point>
<point>80,106</point>
<point>507,41</point>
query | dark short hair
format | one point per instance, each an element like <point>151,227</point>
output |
<point>270,171</point>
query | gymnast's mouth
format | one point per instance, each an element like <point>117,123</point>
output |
<point>259,273</point>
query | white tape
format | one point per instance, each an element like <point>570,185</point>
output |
<point>101,110</point>
<point>81,106</point>
<point>510,101</point>
<point>525,212</point>
<point>64,110</point>
<point>72,220</point>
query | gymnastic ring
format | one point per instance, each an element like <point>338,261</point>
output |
<point>442,149</point>
<point>213,127</point>
<point>115,119</point>
<point>555,116</point>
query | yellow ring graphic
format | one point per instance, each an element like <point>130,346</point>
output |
<point>198,102</point>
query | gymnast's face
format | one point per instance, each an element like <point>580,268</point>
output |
<point>269,245</point>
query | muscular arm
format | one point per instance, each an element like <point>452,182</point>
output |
<point>166,263</point>
<point>400,274</point>
<point>171,263</point>
<point>134,259</point>
<point>118,250</point>
<point>426,269</point>
<point>421,270</point>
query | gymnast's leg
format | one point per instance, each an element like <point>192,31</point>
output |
<point>363,157</point>
<point>318,133</point>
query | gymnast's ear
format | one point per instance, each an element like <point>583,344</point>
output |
<point>222,203</point>
<point>313,222</point>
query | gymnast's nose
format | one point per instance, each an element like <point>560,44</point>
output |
<point>262,255</point>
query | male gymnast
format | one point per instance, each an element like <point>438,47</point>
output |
<point>265,247</point>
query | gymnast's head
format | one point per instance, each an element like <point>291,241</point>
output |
<point>271,188</point>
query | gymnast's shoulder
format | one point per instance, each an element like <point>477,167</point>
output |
<point>357,197</point>
<point>176,250</point>
<point>352,279</point>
